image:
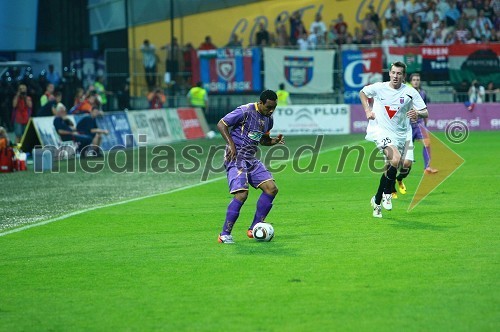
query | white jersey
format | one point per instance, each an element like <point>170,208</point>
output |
<point>390,107</point>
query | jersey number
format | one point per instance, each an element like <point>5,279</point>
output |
<point>386,141</point>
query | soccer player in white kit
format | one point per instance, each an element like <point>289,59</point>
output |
<point>394,105</point>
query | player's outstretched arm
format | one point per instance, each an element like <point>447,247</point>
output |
<point>268,141</point>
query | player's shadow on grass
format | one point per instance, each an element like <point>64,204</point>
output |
<point>273,248</point>
<point>412,224</point>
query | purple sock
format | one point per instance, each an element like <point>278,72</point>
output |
<point>264,205</point>
<point>232,214</point>
<point>427,156</point>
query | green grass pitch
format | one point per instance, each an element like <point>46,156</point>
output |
<point>154,264</point>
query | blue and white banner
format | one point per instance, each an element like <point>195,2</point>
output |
<point>300,71</point>
<point>360,68</point>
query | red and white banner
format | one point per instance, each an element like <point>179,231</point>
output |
<point>190,122</point>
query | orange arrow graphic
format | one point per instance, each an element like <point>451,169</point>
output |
<point>446,161</point>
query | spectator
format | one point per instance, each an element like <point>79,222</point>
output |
<point>349,44</point>
<point>405,22</point>
<point>390,29</point>
<point>48,95</point>
<point>49,109</point>
<point>198,97</point>
<point>318,27</point>
<point>234,42</point>
<point>390,11</point>
<point>476,93</point>
<point>404,5</point>
<point>187,53</point>
<point>53,77</point>
<point>461,32</point>
<point>174,62</point>
<point>340,25</point>
<point>207,44</point>
<point>491,92</point>
<point>417,34</point>
<point>461,91</point>
<point>124,95</point>
<point>149,61</point>
<point>342,33</point>
<point>302,42</point>
<point>79,96</point>
<point>400,38</point>
<point>431,12</point>
<point>481,26</point>
<point>452,15</point>
<point>283,96</point>
<point>4,138</point>
<point>296,27</point>
<point>331,36</point>
<point>369,30</point>
<point>419,9</point>
<point>156,99</point>
<point>101,91</point>
<point>442,7</point>
<point>23,106</point>
<point>66,129</point>
<point>88,103</point>
<point>374,17</point>
<point>282,36</point>
<point>87,126</point>
<point>387,41</point>
<point>262,36</point>
<point>312,40</point>
<point>469,13</point>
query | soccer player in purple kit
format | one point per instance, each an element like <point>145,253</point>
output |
<point>250,125</point>
<point>419,133</point>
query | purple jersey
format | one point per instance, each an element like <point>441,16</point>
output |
<point>247,127</point>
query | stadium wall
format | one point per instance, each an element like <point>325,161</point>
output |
<point>244,20</point>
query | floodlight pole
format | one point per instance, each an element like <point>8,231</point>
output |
<point>173,83</point>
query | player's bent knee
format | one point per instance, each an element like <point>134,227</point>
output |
<point>241,196</point>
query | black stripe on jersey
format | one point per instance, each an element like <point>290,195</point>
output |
<point>410,96</point>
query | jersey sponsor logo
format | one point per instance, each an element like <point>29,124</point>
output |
<point>255,135</point>
<point>390,112</point>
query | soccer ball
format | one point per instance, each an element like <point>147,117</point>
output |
<point>263,231</point>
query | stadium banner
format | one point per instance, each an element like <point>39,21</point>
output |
<point>300,71</point>
<point>474,61</point>
<point>312,120</point>
<point>483,117</point>
<point>120,133</point>
<point>190,123</point>
<point>412,56</point>
<point>360,68</point>
<point>228,70</point>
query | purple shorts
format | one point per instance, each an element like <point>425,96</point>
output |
<point>419,131</point>
<point>242,173</point>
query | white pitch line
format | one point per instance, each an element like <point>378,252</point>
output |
<point>75,213</point>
